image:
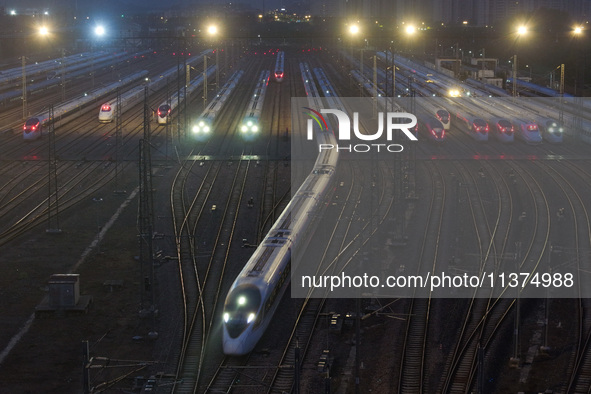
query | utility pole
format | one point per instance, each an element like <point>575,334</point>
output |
<point>52,218</point>
<point>514,76</point>
<point>24,89</point>
<point>204,81</point>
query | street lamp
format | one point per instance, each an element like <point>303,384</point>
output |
<point>577,32</point>
<point>99,32</point>
<point>213,31</point>
<point>42,31</point>
<point>521,31</point>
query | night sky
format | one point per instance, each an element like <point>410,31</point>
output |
<point>137,4</point>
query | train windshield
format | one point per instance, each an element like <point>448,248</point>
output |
<point>480,126</point>
<point>32,123</point>
<point>443,115</point>
<point>505,126</point>
<point>241,308</point>
<point>164,110</point>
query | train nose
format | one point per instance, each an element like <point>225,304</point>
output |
<point>233,347</point>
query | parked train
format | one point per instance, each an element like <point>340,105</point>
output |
<point>164,111</point>
<point>528,131</point>
<point>474,125</point>
<point>249,127</point>
<point>35,126</point>
<point>133,96</point>
<point>429,127</point>
<point>279,66</point>
<point>551,130</point>
<point>204,124</point>
<point>254,296</point>
<point>502,129</point>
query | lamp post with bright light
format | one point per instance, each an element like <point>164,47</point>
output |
<point>213,32</point>
<point>353,31</point>
<point>42,31</point>
<point>521,31</point>
<point>99,32</point>
<point>577,33</point>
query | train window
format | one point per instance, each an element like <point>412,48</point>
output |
<point>164,110</point>
<point>443,115</point>
<point>240,308</point>
<point>32,122</point>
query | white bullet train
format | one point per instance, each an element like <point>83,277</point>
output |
<point>255,294</point>
<point>133,96</point>
<point>35,126</point>
<point>279,66</point>
<point>164,111</point>
<point>432,118</point>
<point>551,130</point>
<point>204,124</point>
<point>528,131</point>
<point>106,113</point>
<point>474,125</point>
<point>502,129</point>
<point>250,124</point>
<point>429,127</point>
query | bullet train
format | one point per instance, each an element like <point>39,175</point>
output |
<point>254,296</point>
<point>106,113</point>
<point>164,111</point>
<point>133,96</point>
<point>528,131</point>
<point>279,66</point>
<point>204,124</point>
<point>475,126</point>
<point>249,127</point>
<point>430,128</point>
<point>551,130</point>
<point>502,129</point>
<point>35,126</point>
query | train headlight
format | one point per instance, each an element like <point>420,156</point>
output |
<point>206,129</point>
<point>250,318</point>
<point>249,123</point>
<point>201,124</point>
<point>244,128</point>
<point>226,317</point>
<point>196,129</point>
<point>255,128</point>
